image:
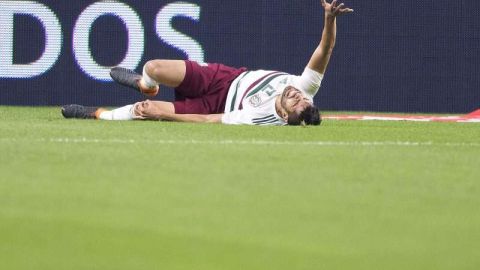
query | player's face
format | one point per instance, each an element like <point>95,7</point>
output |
<point>294,101</point>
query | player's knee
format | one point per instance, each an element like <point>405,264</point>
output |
<point>150,66</point>
<point>154,67</point>
<point>170,73</point>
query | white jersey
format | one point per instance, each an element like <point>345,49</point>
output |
<point>252,95</point>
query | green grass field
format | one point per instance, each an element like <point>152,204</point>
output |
<point>152,195</point>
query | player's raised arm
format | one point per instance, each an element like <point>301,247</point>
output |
<point>321,56</point>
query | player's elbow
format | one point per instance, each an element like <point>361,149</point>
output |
<point>329,48</point>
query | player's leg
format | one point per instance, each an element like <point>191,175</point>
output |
<point>84,112</point>
<point>170,73</point>
<point>144,110</point>
<point>155,72</point>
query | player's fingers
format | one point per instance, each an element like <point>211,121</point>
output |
<point>346,10</point>
<point>135,106</point>
<point>137,117</point>
<point>146,104</point>
<point>142,107</point>
<point>333,4</point>
<point>338,8</point>
<point>137,111</point>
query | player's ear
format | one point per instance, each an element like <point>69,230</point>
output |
<point>284,114</point>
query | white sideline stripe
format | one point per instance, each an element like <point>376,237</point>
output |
<point>244,142</point>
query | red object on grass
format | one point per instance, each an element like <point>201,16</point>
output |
<point>473,117</point>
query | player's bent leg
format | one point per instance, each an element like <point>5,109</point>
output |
<point>170,73</point>
<point>130,78</point>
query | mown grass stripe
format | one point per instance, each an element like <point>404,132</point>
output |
<point>241,142</point>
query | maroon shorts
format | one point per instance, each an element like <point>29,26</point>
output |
<point>205,88</point>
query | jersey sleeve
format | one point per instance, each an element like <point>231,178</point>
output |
<point>251,117</point>
<point>309,81</point>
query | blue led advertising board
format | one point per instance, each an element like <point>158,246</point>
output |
<point>389,56</point>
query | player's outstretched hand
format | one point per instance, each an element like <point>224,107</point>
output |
<point>334,9</point>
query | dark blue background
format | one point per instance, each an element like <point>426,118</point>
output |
<point>402,56</point>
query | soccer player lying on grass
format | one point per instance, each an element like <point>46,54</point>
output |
<point>220,94</point>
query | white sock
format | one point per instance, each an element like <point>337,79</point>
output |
<point>147,81</point>
<point>121,114</point>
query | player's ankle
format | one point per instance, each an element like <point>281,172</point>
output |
<point>146,80</point>
<point>98,112</point>
<point>146,89</point>
<point>151,92</point>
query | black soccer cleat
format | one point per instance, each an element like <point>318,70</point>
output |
<point>79,111</point>
<point>126,77</point>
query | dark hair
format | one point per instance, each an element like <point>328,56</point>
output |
<point>309,116</point>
